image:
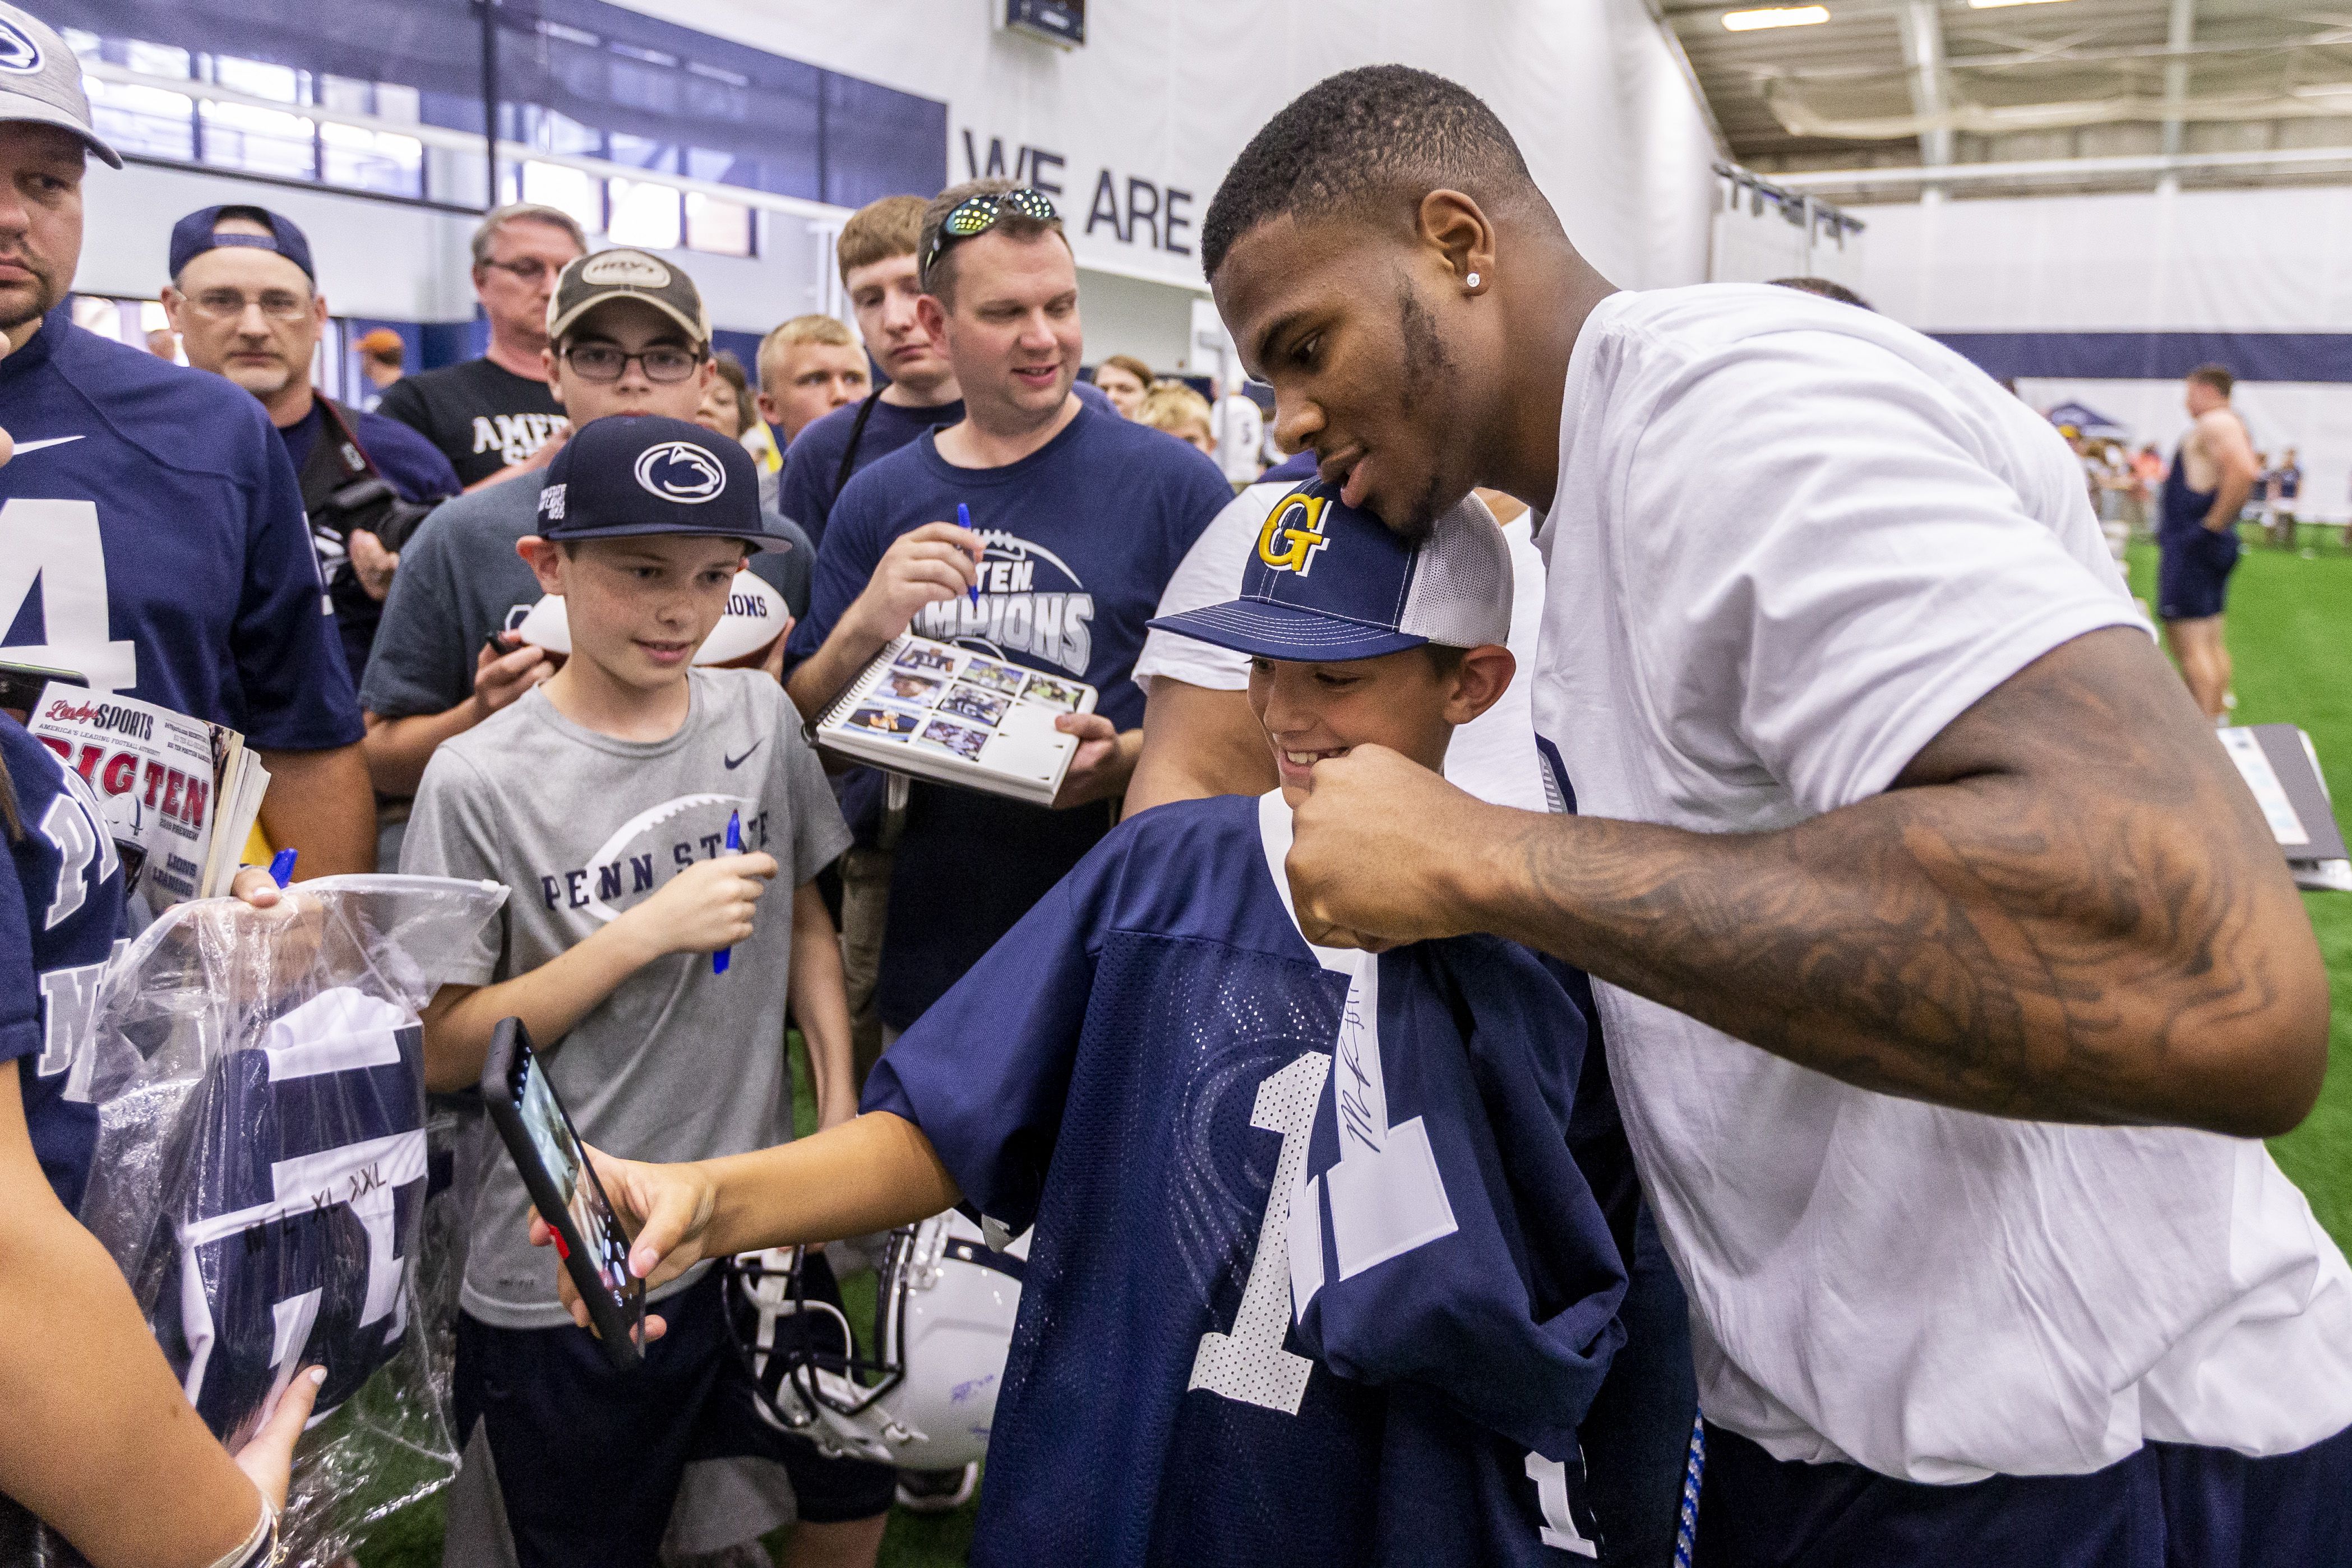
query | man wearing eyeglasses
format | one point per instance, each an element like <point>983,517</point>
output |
<point>498,416</point>
<point>243,298</point>
<point>627,333</point>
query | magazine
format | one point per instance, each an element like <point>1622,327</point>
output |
<point>180,795</point>
<point>956,716</point>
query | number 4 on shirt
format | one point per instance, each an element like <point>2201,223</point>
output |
<point>53,548</point>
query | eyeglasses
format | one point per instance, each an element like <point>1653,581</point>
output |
<point>602,362</point>
<point>977,214</point>
<point>228,304</point>
<point>529,271</point>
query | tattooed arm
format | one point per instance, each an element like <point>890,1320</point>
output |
<point>2068,908</point>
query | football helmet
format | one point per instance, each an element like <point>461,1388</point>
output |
<point>923,1395</point>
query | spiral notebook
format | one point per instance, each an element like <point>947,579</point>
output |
<point>936,711</point>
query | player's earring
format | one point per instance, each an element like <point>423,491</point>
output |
<point>1471,281</point>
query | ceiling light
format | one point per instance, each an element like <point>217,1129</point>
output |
<point>1775,17</point>
<point>1996,5</point>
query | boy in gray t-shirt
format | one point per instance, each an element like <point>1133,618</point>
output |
<point>602,800</point>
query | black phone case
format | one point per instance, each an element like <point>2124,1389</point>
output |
<point>509,1039</point>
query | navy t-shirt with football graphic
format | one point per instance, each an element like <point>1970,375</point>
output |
<point>57,920</point>
<point>1080,538</point>
<point>153,538</point>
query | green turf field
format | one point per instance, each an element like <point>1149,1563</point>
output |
<point>2289,617</point>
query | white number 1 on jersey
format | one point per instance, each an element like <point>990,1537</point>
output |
<point>54,548</point>
<point>1249,1364</point>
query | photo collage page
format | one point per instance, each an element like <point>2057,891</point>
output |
<point>934,697</point>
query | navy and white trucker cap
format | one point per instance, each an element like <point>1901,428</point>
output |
<point>1326,582</point>
<point>630,474</point>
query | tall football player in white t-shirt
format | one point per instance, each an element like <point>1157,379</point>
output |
<point>1949,973</point>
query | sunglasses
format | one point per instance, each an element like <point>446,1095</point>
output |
<point>978,214</point>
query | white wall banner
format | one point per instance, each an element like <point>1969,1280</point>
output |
<point>1132,132</point>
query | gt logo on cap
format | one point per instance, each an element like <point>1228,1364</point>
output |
<point>1293,534</point>
<point>18,52</point>
<point>682,472</point>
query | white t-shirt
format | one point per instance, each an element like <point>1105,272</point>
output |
<point>1493,757</point>
<point>1792,541</point>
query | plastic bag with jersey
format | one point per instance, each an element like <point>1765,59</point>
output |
<point>261,1172</point>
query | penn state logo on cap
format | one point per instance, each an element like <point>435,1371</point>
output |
<point>623,269</point>
<point>632,474</point>
<point>682,471</point>
<point>1325,583</point>
<point>18,51</point>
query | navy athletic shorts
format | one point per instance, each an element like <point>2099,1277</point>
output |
<point>2167,1506</point>
<point>2192,574</point>
<point>588,1457</point>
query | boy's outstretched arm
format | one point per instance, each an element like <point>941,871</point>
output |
<point>867,1174</point>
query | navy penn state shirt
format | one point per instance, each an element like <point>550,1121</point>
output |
<point>58,910</point>
<point>1315,1278</point>
<point>1081,536</point>
<point>152,538</point>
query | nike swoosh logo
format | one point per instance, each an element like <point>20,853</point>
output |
<point>734,762</point>
<point>25,447</point>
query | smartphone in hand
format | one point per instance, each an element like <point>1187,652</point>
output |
<point>564,1189</point>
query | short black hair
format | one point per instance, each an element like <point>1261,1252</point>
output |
<point>1358,140</point>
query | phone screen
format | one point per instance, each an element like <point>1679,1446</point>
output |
<point>558,1151</point>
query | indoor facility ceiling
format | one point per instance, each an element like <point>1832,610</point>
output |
<point>1899,96</point>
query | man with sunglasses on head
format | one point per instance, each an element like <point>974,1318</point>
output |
<point>1078,519</point>
<point>627,333</point>
<point>243,298</point>
<point>498,416</point>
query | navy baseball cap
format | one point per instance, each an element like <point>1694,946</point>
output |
<point>1326,582</point>
<point>630,474</point>
<point>193,236</point>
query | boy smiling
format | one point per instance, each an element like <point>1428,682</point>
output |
<point>604,799</point>
<point>1280,1304</point>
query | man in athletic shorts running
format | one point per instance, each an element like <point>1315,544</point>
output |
<point>2197,536</point>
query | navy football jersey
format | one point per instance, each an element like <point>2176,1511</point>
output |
<point>294,1193</point>
<point>153,538</point>
<point>57,932</point>
<point>1153,1067</point>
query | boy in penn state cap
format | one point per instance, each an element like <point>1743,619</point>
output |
<point>1282,1305</point>
<point>638,808</point>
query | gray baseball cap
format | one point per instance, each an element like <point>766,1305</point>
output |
<point>40,80</point>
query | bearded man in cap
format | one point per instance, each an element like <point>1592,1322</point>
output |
<point>151,532</point>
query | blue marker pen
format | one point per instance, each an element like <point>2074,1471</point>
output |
<point>282,867</point>
<point>734,846</point>
<point>963,522</point>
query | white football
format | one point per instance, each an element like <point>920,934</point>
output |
<point>755,618</point>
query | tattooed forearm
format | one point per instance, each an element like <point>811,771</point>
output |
<point>2068,909</point>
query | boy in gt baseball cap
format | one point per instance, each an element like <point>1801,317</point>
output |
<point>637,806</point>
<point>1265,1179</point>
<point>1357,636</point>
